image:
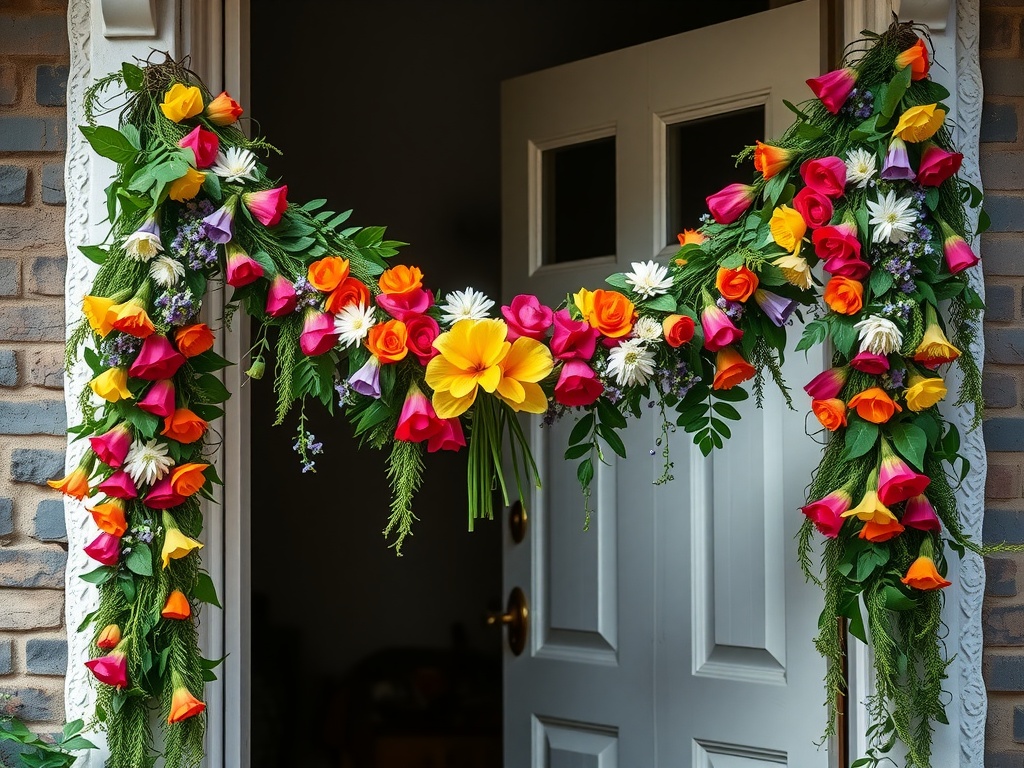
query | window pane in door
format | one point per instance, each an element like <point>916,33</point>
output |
<point>578,213</point>
<point>700,162</point>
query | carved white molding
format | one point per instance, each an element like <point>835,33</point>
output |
<point>128,18</point>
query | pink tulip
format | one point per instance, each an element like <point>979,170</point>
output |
<point>267,205</point>
<point>728,204</point>
<point>826,513</point>
<point>157,359</point>
<point>417,421</point>
<point>920,514</point>
<point>833,88</point>
<point>403,306</point>
<point>318,334</point>
<point>572,339</point>
<point>870,362</point>
<point>119,486</point>
<point>159,400</point>
<point>897,164</point>
<point>896,480</point>
<point>281,298</point>
<point>719,331</point>
<point>449,438</point>
<point>958,253</point>
<point>162,495</point>
<point>827,384</point>
<point>526,316</point>
<point>577,384</point>
<point>204,145</point>
<point>242,268</point>
<point>937,165</point>
<point>111,447</point>
<point>825,175</point>
<point>111,669</point>
<point>105,549</point>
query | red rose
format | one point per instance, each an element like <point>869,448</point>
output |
<point>421,330</point>
<point>577,384</point>
<point>815,208</point>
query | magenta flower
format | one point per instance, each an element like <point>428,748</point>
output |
<point>268,205</point>
<point>719,331</point>
<point>449,438</point>
<point>119,486</point>
<point>112,446</point>
<point>728,204</point>
<point>958,253</point>
<point>896,480</point>
<point>318,334</point>
<point>104,549</point>
<point>111,669</point>
<point>937,165</point>
<point>404,306</point>
<point>421,330</point>
<point>242,268</point>
<point>204,145</point>
<point>826,513</point>
<point>526,316</point>
<point>874,363</point>
<point>834,87</point>
<point>920,514</point>
<point>219,226</point>
<point>577,384</point>
<point>814,207</point>
<point>366,381</point>
<point>159,400</point>
<point>162,495</point>
<point>827,384</point>
<point>825,175</point>
<point>156,360</point>
<point>417,421</point>
<point>572,339</point>
<point>853,268</point>
<point>838,241</point>
<point>281,298</point>
<point>777,308</point>
<point>897,163</point>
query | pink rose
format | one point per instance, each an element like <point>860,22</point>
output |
<point>719,331</point>
<point>728,204</point>
<point>870,362</point>
<point>204,145</point>
<point>403,306</point>
<point>268,205</point>
<point>421,330</point>
<point>814,207</point>
<point>526,316</point>
<point>572,339</point>
<point>855,269</point>
<point>281,298</point>
<point>937,165</point>
<point>577,384</point>
<point>826,175</point>
<point>156,360</point>
<point>449,438</point>
<point>318,334</point>
<point>837,242</point>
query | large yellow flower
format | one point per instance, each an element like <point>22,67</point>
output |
<point>795,269</point>
<point>919,123</point>
<point>177,545</point>
<point>871,509</point>
<point>527,362</point>
<point>95,310</point>
<point>924,392</point>
<point>470,357</point>
<point>788,228</point>
<point>111,385</point>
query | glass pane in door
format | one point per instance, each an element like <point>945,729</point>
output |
<point>578,211</point>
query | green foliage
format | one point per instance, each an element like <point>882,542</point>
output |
<point>37,752</point>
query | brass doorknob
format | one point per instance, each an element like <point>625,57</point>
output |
<point>516,618</point>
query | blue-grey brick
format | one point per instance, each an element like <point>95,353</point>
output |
<point>38,417</point>
<point>1000,577</point>
<point>33,704</point>
<point>51,86</point>
<point>1003,255</point>
<point>1004,760</point>
<point>10,277</point>
<point>1004,434</point>
<point>45,275</point>
<point>8,85</point>
<point>49,523</point>
<point>46,657</point>
<point>32,134</point>
<point>1003,625</point>
<point>35,465</point>
<point>1006,212</point>
<point>1003,525</point>
<point>1004,673</point>
<point>6,517</point>
<point>1002,170</point>
<point>1003,77</point>
<point>999,389</point>
<point>6,651</point>
<point>13,184</point>
<point>53,184</point>
<point>8,368</point>
<point>35,34</point>
<point>32,567</point>
<point>999,303</point>
<point>1002,345</point>
<point>31,322</point>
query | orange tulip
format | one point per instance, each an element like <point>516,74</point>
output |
<point>400,279</point>
<point>923,575</point>
<point>177,606</point>
<point>874,405</point>
<point>770,160</point>
<point>688,236</point>
<point>183,426</point>
<point>879,532</point>
<point>327,273</point>
<point>131,318</point>
<point>831,413</point>
<point>349,291</point>
<point>609,312</point>
<point>183,705</point>
<point>194,339</point>
<point>187,479</point>
<point>731,369</point>
<point>109,518</point>
<point>387,341</point>
<point>736,284</point>
<point>223,110</point>
<point>844,295</point>
<point>915,57</point>
<point>109,637</point>
<point>75,485</point>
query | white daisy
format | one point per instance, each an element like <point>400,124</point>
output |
<point>144,243</point>
<point>892,218</point>
<point>147,462</point>
<point>469,304</point>
<point>879,335</point>
<point>166,271</point>
<point>649,279</point>
<point>632,362</point>
<point>647,329</point>
<point>235,164</point>
<point>353,323</point>
<point>860,167</point>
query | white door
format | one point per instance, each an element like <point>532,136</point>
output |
<point>677,630</point>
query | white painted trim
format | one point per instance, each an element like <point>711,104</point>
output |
<point>128,18</point>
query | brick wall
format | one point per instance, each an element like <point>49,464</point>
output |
<point>33,552</point>
<point>1002,170</point>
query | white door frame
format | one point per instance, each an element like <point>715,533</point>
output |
<point>103,33</point>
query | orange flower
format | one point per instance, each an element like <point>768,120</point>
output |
<point>177,606</point>
<point>130,318</point>
<point>923,575</point>
<point>831,413</point>
<point>193,340</point>
<point>109,518</point>
<point>400,279</point>
<point>915,57</point>
<point>183,426</point>
<point>95,309</point>
<point>736,284</point>
<point>223,110</point>
<point>183,705</point>
<point>731,369</point>
<point>678,330</point>
<point>844,295</point>
<point>387,341</point>
<point>688,236</point>
<point>609,312</point>
<point>770,160</point>
<point>879,532</point>
<point>874,405</point>
<point>327,273</point>
<point>186,479</point>
<point>187,186</point>
<point>75,485</point>
<point>349,291</point>
<point>109,637</point>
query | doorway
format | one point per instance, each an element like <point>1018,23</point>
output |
<point>393,107</point>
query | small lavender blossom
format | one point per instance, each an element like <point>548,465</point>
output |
<point>733,309</point>
<point>860,103</point>
<point>344,393</point>
<point>119,350</point>
<point>178,306</point>
<point>896,378</point>
<point>190,242</point>
<point>306,294</point>
<point>553,414</point>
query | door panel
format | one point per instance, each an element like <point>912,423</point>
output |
<point>677,629</point>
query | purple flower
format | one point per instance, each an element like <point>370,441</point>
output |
<point>777,308</point>
<point>366,381</point>
<point>897,164</point>
<point>219,226</point>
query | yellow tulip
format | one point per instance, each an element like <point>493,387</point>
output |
<point>919,123</point>
<point>871,509</point>
<point>177,545</point>
<point>795,269</point>
<point>470,354</point>
<point>527,362</point>
<point>935,349</point>
<point>924,392</point>
<point>111,385</point>
<point>187,186</point>
<point>182,102</point>
<point>788,228</point>
<point>95,310</point>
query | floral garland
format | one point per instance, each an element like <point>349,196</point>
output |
<point>863,184</point>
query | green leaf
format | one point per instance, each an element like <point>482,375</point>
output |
<point>581,430</point>
<point>574,452</point>
<point>140,560</point>
<point>585,472</point>
<point>931,198</point>
<point>726,411</point>
<point>87,620</point>
<point>861,437</point>
<point>734,395</point>
<point>663,303</point>
<point>894,94</point>
<point>170,170</point>
<point>208,361</point>
<point>205,590</point>
<point>108,142</point>
<point>76,743</point>
<point>93,253</point>
<point>133,77</point>
<point>98,576</point>
<point>146,423</point>
<point>881,281</point>
<point>851,610</point>
<point>610,415</point>
<point>211,186</point>
<point>612,439</point>
<point>213,389</point>
<point>910,441</point>
<point>314,205</point>
<point>618,280</point>
<point>895,600</point>
<point>984,221</point>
